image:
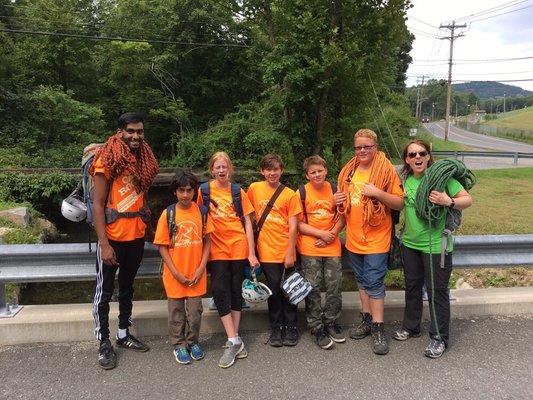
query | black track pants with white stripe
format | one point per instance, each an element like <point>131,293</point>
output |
<point>129,255</point>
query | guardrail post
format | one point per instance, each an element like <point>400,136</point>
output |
<point>515,158</point>
<point>3,307</point>
<point>455,155</point>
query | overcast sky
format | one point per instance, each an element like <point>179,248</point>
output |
<point>508,35</point>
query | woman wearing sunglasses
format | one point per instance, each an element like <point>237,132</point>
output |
<point>420,241</point>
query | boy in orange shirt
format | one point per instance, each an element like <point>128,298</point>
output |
<point>320,250</point>
<point>276,246</point>
<point>369,188</point>
<point>184,247</point>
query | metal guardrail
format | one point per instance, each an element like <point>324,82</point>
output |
<point>74,262</point>
<point>501,154</point>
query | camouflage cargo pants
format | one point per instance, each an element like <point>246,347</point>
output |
<point>320,271</point>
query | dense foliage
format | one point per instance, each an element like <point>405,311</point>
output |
<point>295,77</point>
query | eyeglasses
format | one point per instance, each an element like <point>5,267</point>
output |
<point>131,131</point>
<point>365,148</point>
<point>420,153</point>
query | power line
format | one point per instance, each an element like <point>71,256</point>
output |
<point>498,15</point>
<point>120,39</point>
<point>423,22</point>
<point>491,10</point>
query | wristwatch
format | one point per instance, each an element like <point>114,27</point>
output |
<point>452,204</point>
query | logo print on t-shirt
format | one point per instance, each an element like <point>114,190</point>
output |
<point>128,193</point>
<point>321,209</point>
<point>187,234</point>
<point>356,191</point>
<point>224,210</point>
<point>273,215</point>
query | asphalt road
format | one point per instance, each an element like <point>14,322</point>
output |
<point>476,140</point>
<point>489,358</point>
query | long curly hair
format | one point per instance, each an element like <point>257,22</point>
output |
<point>118,159</point>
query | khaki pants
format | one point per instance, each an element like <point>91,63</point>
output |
<point>184,319</point>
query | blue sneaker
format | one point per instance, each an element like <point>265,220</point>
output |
<point>182,355</point>
<point>197,353</point>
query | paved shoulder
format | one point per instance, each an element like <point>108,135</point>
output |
<point>488,358</point>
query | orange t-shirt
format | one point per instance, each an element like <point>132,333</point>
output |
<point>274,235</point>
<point>186,253</point>
<point>321,211</point>
<point>368,239</point>
<point>228,241</point>
<point>124,198</point>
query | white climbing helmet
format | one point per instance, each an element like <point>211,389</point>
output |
<point>73,208</point>
<point>253,291</point>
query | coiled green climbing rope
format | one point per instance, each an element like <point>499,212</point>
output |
<point>435,178</point>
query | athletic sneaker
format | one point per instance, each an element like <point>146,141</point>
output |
<point>334,331</point>
<point>321,339</point>
<point>243,353</point>
<point>230,353</point>
<point>363,329</point>
<point>107,358</point>
<point>403,334</point>
<point>379,340</point>
<point>197,353</point>
<point>275,339</point>
<point>182,355</point>
<point>132,343</point>
<point>435,348</point>
<point>291,336</point>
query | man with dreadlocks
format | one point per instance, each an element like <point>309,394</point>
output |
<point>123,171</point>
<point>368,188</point>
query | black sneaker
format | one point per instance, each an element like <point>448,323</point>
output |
<point>334,331</point>
<point>435,348</point>
<point>363,329</point>
<point>321,339</point>
<point>291,336</point>
<point>275,338</point>
<point>107,358</point>
<point>132,343</point>
<point>379,340</point>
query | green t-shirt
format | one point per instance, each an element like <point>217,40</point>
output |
<point>416,233</point>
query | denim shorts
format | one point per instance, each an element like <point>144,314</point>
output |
<point>370,271</point>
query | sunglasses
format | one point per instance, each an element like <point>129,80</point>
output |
<point>420,153</point>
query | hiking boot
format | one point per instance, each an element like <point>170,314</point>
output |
<point>435,348</point>
<point>107,358</point>
<point>403,334</point>
<point>275,339</point>
<point>182,355</point>
<point>363,329</point>
<point>230,353</point>
<point>132,343</point>
<point>379,340</point>
<point>197,353</point>
<point>334,331</point>
<point>321,339</point>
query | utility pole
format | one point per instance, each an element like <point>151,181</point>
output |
<point>504,102</point>
<point>417,99</point>
<point>421,101</point>
<point>452,37</point>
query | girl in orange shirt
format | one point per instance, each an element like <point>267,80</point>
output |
<point>232,248</point>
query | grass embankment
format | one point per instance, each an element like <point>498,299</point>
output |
<point>502,205</point>
<point>517,119</point>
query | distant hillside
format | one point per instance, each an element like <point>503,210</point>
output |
<point>486,90</point>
